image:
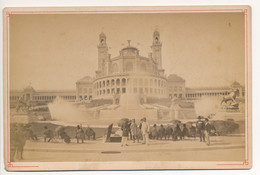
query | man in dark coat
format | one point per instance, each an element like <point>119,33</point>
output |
<point>125,132</point>
<point>177,133</point>
<point>207,130</point>
<point>79,134</point>
<point>168,131</point>
<point>162,132</point>
<point>154,132</point>
<point>90,132</point>
<point>133,128</point>
<point>185,131</point>
<point>201,129</point>
<point>18,139</point>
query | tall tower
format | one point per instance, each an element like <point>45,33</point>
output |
<point>102,53</point>
<point>156,49</point>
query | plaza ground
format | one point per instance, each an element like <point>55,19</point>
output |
<point>222,148</point>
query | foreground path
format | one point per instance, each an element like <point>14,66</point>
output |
<point>224,148</point>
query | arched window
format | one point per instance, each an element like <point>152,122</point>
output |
<point>115,68</point>
<point>123,82</point>
<point>118,82</point>
<point>129,67</point>
<point>112,82</point>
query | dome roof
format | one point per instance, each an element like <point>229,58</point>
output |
<point>174,77</point>
<point>129,51</point>
<point>29,88</point>
<point>156,32</point>
<point>86,79</point>
<point>130,48</point>
<point>235,83</point>
<point>102,34</point>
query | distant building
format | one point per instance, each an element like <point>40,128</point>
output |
<point>131,73</point>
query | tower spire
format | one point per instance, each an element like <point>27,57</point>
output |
<point>156,49</point>
<point>129,41</point>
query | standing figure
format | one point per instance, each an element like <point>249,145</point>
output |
<point>90,132</point>
<point>130,132</point>
<point>145,131</point>
<point>133,129</point>
<point>162,132</point>
<point>125,133</point>
<point>154,133</point>
<point>79,134</point>
<point>168,131</point>
<point>207,130</point>
<point>48,134</point>
<point>201,129</point>
<point>185,131</point>
<point>177,133</point>
<point>17,141</point>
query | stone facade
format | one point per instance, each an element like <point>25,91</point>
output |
<point>132,73</point>
<point>128,73</point>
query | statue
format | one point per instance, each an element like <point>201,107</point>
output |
<point>230,101</point>
<point>23,104</point>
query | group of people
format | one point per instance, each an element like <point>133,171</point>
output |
<point>80,134</point>
<point>143,131</point>
<point>136,132</point>
<point>176,133</point>
<point>204,129</point>
<point>60,133</point>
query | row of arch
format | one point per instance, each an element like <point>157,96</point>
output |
<point>147,91</point>
<point>131,81</point>
<point>199,95</point>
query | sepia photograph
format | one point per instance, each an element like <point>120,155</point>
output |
<point>127,88</point>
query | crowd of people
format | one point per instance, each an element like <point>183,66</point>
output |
<point>80,135</point>
<point>130,131</point>
<point>143,131</point>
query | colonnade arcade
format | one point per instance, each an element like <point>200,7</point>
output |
<point>199,95</point>
<point>138,84</point>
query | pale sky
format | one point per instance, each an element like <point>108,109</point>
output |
<point>54,51</point>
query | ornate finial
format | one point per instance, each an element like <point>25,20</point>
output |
<point>128,42</point>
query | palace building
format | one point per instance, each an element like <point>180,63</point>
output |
<point>128,73</point>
